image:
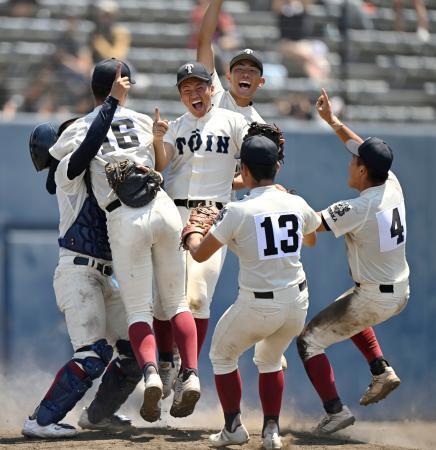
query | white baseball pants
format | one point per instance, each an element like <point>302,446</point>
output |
<point>145,242</point>
<point>270,324</point>
<point>355,310</point>
<point>90,302</point>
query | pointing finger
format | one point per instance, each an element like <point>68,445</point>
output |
<point>156,114</point>
<point>118,72</point>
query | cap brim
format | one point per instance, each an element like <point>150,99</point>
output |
<point>209,80</point>
<point>246,57</point>
<point>352,146</point>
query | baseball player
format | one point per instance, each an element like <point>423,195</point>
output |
<point>85,294</point>
<point>266,231</point>
<point>374,226</point>
<point>144,243</point>
<point>199,147</point>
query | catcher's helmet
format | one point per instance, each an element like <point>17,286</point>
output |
<point>43,137</point>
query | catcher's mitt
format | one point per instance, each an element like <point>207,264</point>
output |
<point>200,221</point>
<point>271,132</point>
<point>134,185</point>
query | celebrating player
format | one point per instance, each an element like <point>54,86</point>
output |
<point>144,242</point>
<point>245,70</point>
<point>94,312</point>
<point>200,147</point>
<point>374,226</point>
<point>266,231</point>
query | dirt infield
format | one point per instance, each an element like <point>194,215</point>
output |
<point>365,435</point>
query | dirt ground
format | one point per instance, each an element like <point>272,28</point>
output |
<point>383,436</point>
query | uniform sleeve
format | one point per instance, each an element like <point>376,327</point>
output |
<point>171,136</point>
<point>63,183</point>
<point>216,83</point>
<point>70,140</point>
<point>225,225</point>
<point>311,219</point>
<point>346,216</point>
<point>240,129</point>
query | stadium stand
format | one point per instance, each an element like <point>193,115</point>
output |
<point>386,75</point>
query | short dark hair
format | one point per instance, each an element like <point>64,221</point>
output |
<point>373,176</point>
<point>260,171</point>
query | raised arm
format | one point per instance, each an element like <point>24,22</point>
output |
<point>324,108</point>
<point>205,54</point>
<point>99,128</point>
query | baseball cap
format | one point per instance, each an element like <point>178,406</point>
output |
<point>258,150</point>
<point>375,153</point>
<point>249,55</point>
<point>104,72</point>
<point>42,138</point>
<point>193,70</point>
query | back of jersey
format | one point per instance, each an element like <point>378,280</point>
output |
<point>266,231</point>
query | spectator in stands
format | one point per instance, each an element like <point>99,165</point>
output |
<point>295,38</point>
<point>23,8</point>
<point>226,38</point>
<point>108,39</point>
<point>422,29</point>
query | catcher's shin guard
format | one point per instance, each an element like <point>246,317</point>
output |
<point>72,381</point>
<point>119,381</point>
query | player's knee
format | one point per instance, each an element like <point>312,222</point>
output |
<point>222,364</point>
<point>307,346</point>
<point>200,306</point>
<point>302,346</point>
<point>268,366</point>
<point>94,358</point>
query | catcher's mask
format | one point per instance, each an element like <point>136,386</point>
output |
<point>42,138</point>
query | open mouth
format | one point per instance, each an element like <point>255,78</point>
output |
<point>197,105</point>
<point>244,84</point>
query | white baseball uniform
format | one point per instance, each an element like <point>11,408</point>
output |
<point>144,241</point>
<point>223,99</point>
<point>374,226</point>
<point>89,300</point>
<point>265,230</point>
<point>202,168</point>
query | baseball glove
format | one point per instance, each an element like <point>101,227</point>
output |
<point>200,221</point>
<point>270,131</point>
<point>134,185</point>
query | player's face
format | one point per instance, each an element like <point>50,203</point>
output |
<point>196,95</point>
<point>244,79</point>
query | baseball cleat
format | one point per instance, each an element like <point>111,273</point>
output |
<point>168,374</point>
<point>335,422</point>
<point>186,395</point>
<point>271,438</point>
<point>238,437</point>
<point>114,422</point>
<point>32,429</point>
<point>381,386</point>
<point>150,409</point>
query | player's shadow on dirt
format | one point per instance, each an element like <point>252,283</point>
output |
<point>308,438</point>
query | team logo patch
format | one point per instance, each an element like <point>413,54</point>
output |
<point>339,209</point>
<point>188,68</point>
<point>248,51</point>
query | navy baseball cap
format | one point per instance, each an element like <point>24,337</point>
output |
<point>193,70</point>
<point>375,153</point>
<point>104,72</point>
<point>258,150</point>
<point>249,55</point>
<point>42,138</point>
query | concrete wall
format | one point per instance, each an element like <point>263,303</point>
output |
<point>316,166</point>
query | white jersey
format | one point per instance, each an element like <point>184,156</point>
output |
<point>71,195</point>
<point>265,230</point>
<point>374,225</point>
<point>203,161</point>
<point>130,137</point>
<point>223,99</point>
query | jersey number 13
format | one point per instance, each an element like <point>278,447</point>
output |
<point>278,235</point>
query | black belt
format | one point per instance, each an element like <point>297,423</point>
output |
<point>384,288</point>
<point>113,205</point>
<point>270,294</point>
<point>194,203</point>
<point>104,269</point>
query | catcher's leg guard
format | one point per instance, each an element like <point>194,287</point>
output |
<point>118,382</point>
<point>72,381</point>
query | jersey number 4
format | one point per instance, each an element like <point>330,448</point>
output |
<point>278,235</point>
<point>125,135</point>
<point>392,227</point>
